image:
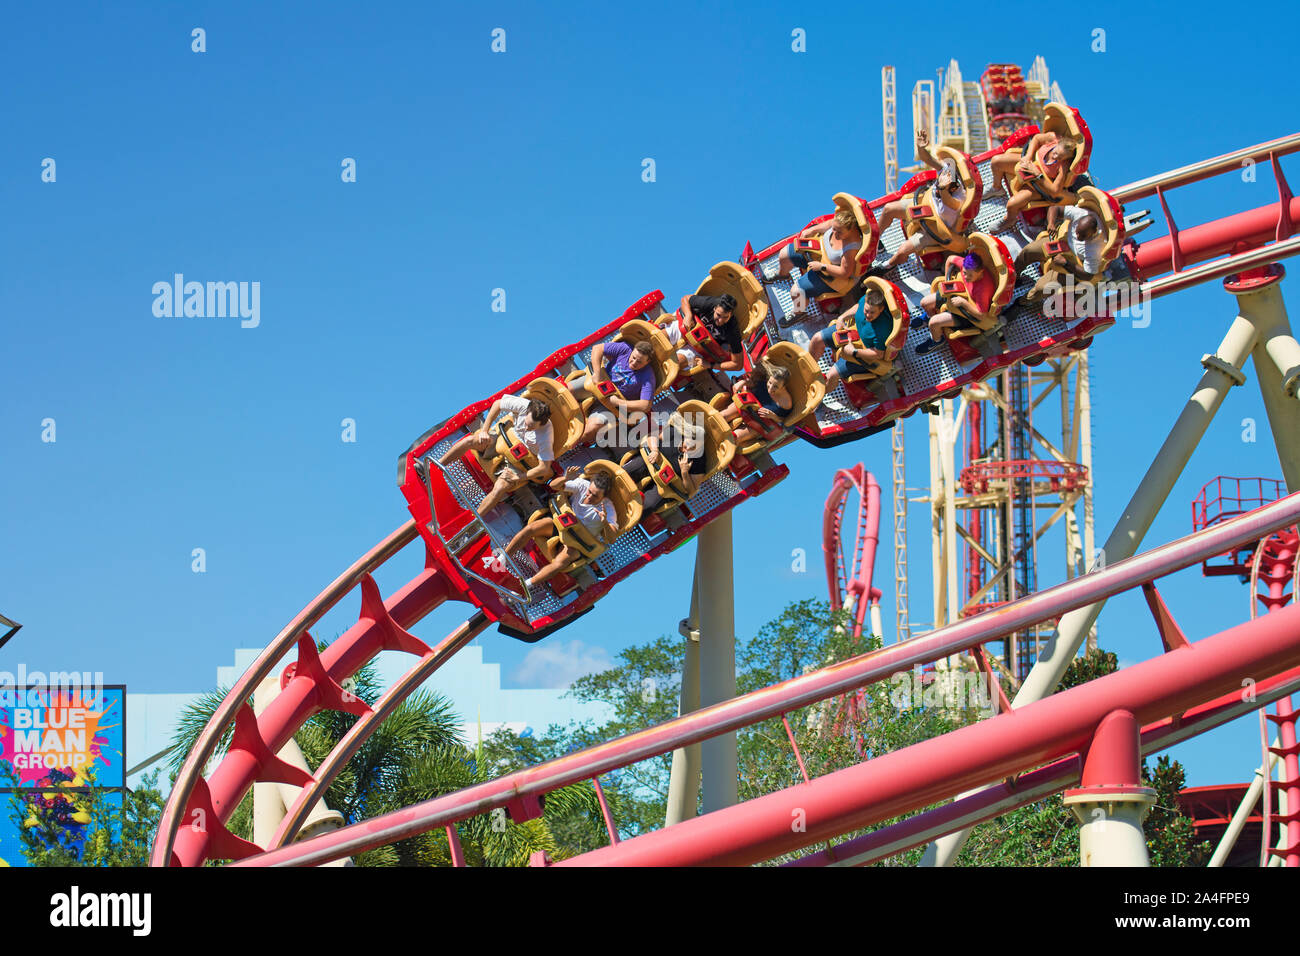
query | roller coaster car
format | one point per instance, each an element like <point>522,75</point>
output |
<point>882,380</point>
<point>573,534</point>
<point>566,426</point>
<point>866,221</point>
<point>1065,121</point>
<point>719,449</point>
<point>806,386</point>
<point>997,260</point>
<point>922,216</point>
<point>664,363</point>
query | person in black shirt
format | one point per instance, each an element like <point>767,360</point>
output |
<point>679,445</point>
<point>718,313</point>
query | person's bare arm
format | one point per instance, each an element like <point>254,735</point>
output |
<point>690,481</point>
<point>598,361</point>
<point>609,532</point>
<point>846,266</point>
<point>1036,142</point>
<point>557,483</point>
<point>923,149</point>
<point>492,415</point>
<point>630,406</point>
<point>734,364</point>
<point>864,355</point>
<point>1057,185</point>
<point>541,473</point>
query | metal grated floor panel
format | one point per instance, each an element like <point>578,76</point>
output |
<point>713,493</point>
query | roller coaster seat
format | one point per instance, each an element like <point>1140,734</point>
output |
<point>751,301</point>
<point>573,534</point>
<point>896,303</point>
<point>566,423</point>
<point>806,386</point>
<point>865,253</point>
<point>1065,121</point>
<point>949,239</point>
<point>719,449</point>
<point>1105,208</point>
<point>997,260</point>
<point>663,363</point>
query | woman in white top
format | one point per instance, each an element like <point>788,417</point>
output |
<point>532,423</point>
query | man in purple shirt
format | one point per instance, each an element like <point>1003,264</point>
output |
<point>628,368</point>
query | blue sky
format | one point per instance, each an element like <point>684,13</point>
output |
<point>476,171</point>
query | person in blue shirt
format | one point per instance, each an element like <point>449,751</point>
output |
<point>628,367</point>
<point>873,323</point>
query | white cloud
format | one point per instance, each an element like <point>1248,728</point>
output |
<point>559,665</point>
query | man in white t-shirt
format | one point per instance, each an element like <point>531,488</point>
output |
<point>589,499</point>
<point>531,419</point>
<point>1085,238</point>
<point>1086,242</point>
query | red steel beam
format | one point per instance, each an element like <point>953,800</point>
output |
<point>973,756</point>
<point>1029,787</point>
<point>780,698</point>
<point>1252,259</point>
<point>1213,239</point>
<point>187,845</point>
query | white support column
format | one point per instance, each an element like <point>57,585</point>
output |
<point>1111,802</point>
<point>684,779</point>
<point>1110,830</point>
<point>1083,424</point>
<point>713,559</point>
<point>268,808</point>
<point>1244,810</point>
<point>276,798</point>
<point>1222,371</point>
<point>1277,366</point>
<point>952,577</point>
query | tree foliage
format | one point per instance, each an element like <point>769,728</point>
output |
<point>643,689</point>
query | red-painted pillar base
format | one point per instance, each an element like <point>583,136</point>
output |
<point>1112,803</point>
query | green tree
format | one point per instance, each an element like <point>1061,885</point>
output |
<point>643,689</point>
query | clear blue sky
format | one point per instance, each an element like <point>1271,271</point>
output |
<point>475,171</point>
